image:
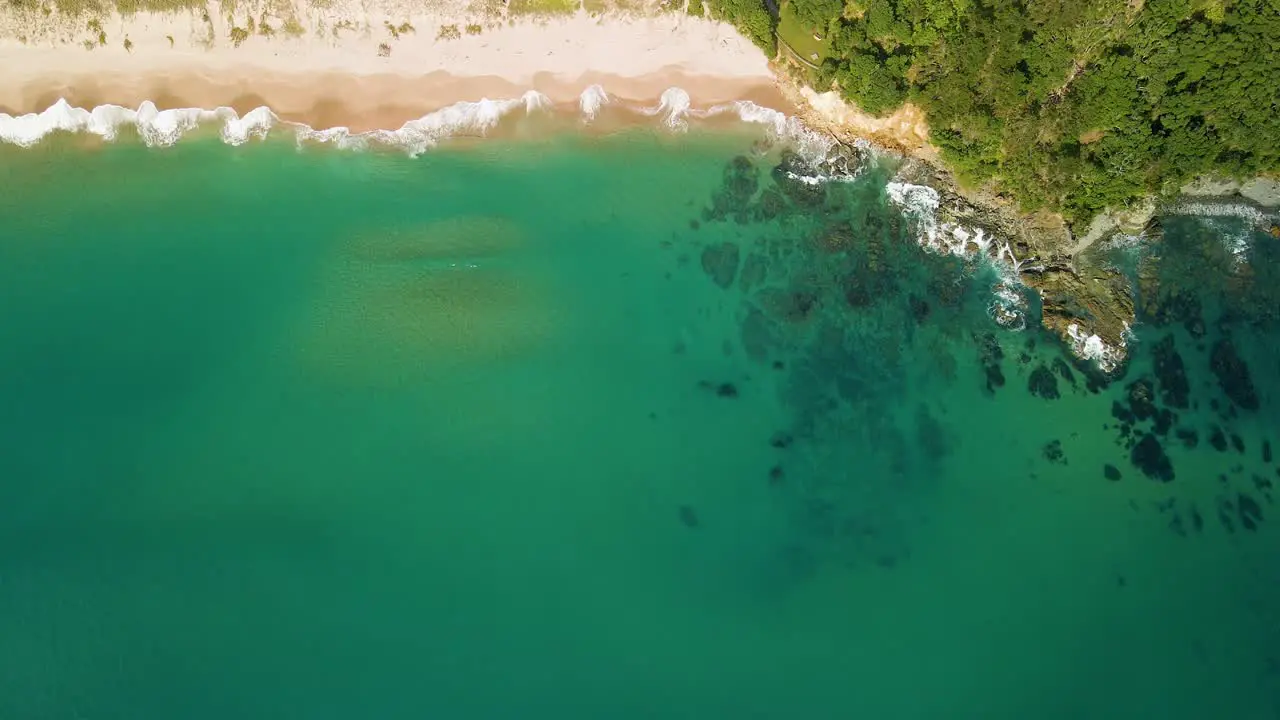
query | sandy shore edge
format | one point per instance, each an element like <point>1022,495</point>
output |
<point>373,102</point>
<point>369,75</point>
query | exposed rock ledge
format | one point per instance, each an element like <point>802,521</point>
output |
<point>1086,303</point>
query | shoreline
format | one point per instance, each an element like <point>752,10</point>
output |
<point>363,104</point>
<point>376,75</point>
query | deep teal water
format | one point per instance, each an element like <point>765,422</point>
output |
<point>310,434</point>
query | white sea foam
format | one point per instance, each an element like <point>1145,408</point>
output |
<point>159,128</point>
<point>920,203</point>
<point>817,149</point>
<point>1091,347</point>
<point>1244,211</point>
<point>1218,216</point>
<point>674,106</point>
<point>591,100</point>
<point>424,133</point>
<point>165,127</point>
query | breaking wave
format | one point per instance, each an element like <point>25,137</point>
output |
<point>920,204</point>
<point>162,128</point>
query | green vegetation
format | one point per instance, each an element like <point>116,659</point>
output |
<point>753,18</point>
<point>1071,105</point>
<point>474,29</point>
<point>799,35</point>
<point>130,7</point>
<point>543,7</point>
<point>448,32</point>
<point>95,27</point>
<point>397,30</point>
<point>238,36</point>
<point>695,8</point>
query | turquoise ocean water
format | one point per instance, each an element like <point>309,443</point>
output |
<point>612,426</point>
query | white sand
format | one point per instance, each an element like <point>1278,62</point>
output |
<point>344,66</point>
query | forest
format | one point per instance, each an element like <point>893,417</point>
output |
<point>1070,105</point>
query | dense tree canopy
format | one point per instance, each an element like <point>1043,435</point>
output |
<point>1071,104</point>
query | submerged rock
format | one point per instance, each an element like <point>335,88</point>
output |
<point>1061,367</point>
<point>1233,375</point>
<point>1111,472</point>
<point>990,355</point>
<point>688,516</point>
<point>1140,399</point>
<point>758,335</point>
<point>1218,439</point>
<point>1043,383</point>
<point>1148,456</point>
<point>755,270</point>
<point>1171,373</point>
<point>1189,437</point>
<point>1249,512</point>
<point>790,175</point>
<point>720,263</point>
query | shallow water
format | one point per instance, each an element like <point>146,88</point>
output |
<point>600,427</point>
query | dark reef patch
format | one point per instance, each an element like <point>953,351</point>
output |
<point>1111,472</point>
<point>720,263</point>
<point>990,355</point>
<point>1238,443</point>
<point>1043,383</point>
<point>1249,512</point>
<point>1142,399</point>
<point>1233,375</point>
<point>776,475</point>
<point>1149,457</point>
<point>1061,367</point>
<point>1171,373</point>
<point>1218,439</point>
<point>688,516</point>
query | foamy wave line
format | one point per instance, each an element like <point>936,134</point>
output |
<point>1218,216</point>
<point>920,204</point>
<point>162,128</point>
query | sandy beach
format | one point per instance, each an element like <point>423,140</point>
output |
<point>367,67</point>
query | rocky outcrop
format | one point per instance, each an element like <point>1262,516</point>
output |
<point>1085,302</point>
<point>1088,305</point>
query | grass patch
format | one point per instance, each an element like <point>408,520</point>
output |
<point>449,32</point>
<point>293,28</point>
<point>66,8</point>
<point>696,8</point>
<point>800,36</point>
<point>130,7</point>
<point>474,29</point>
<point>397,30</point>
<point>543,7</point>
<point>95,27</point>
<point>384,50</point>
